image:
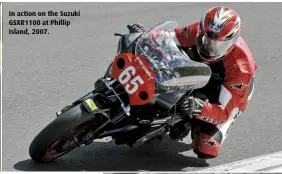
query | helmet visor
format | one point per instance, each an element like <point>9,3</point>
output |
<point>213,48</point>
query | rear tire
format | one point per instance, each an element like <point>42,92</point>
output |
<point>67,121</point>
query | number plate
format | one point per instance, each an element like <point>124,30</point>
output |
<point>136,77</point>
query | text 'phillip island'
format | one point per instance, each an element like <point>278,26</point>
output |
<point>35,23</point>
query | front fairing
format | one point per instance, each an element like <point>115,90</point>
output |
<point>157,68</point>
<point>173,70</point>
<point>127,42</point>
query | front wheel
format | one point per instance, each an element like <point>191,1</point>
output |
<point>62,135</point>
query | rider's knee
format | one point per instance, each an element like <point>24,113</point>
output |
<point>204,155</point>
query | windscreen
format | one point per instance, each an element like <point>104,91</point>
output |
<point>171,67</point>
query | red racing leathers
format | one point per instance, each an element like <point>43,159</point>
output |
<point>236,73</point>
<point>227,91</point>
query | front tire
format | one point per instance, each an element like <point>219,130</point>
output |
<point>63,128</point>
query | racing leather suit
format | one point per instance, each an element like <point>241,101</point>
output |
<point>228,91</point>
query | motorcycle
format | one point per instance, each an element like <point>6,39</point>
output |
<point>134,102</point>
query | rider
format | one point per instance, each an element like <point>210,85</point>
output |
<point>215,40</point>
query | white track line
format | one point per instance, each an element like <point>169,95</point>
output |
<point>265,163</point>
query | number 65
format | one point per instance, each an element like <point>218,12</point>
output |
<point>125,76</point>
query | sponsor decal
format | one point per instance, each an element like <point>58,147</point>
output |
<point>144,121</point>
<point>211,120</point>
<point>238,86</point>
<point>185,31</point>
<point>209,142</point>
<point>235,117</point>
<point>90,105</point>
<point>144,67</point>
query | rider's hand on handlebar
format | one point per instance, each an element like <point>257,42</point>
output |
<point>191,106</point>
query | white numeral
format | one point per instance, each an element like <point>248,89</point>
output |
<point>135,85</point>
<point>125,76</point>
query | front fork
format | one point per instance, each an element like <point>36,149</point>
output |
<point>108,82</point>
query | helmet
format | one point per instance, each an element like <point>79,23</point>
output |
<point>218,32</point>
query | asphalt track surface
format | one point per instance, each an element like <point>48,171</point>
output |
<point>42,74</point>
